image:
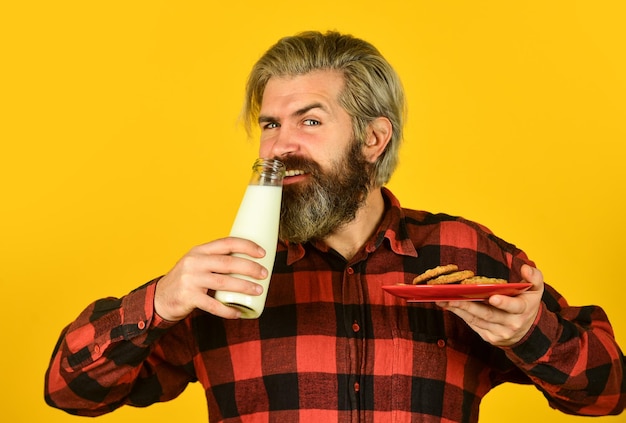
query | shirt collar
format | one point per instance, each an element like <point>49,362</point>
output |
<point>392,227</point>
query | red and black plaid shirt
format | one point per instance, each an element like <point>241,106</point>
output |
<point>331,345</point>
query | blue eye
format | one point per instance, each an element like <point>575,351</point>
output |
<point>270,125</point>
<point>311,122</point>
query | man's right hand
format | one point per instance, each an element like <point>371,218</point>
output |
<point>207,267</point>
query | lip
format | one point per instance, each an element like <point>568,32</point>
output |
<point>292,177</point>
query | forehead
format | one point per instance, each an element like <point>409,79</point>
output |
<point>319,85</point>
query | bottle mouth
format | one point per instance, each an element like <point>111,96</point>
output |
<point>270,171</point>
<point>271,165</point>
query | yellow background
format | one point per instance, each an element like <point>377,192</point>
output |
<point>120,150</point>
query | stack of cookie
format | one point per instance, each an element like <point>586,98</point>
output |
<point>450,274</point>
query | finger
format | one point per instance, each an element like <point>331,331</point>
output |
<point>518,304</point>
<point>233,283</point>
<point>511,305</point>
<point>212,306</point>
<point>492,329</point>
<point>477,315</point>
<point>487,316</point>
<point>231,245</point>
<point>473,311</point>
<point>241,265</point>
<point>534,276</point>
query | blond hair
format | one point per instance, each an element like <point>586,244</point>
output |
<point>372,87</point>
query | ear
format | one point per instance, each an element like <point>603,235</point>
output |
<point>377,137</point>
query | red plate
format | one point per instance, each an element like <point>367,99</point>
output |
<point>429,293</point>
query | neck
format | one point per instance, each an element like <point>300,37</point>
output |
<point>349,239</point>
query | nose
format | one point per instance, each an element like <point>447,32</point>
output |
<point>280,143</point>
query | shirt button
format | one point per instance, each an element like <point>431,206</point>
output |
<point>96,349</point>
<point>350,271</point>
<point>355,326</point>
<point>441,343</point>
<point>357,387</point>
<point>141,325</point>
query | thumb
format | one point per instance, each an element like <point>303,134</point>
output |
<point>532,275</point>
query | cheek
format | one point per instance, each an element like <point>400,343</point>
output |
<point>265,149</point>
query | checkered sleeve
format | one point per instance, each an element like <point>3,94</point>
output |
<point>571,355</point>
<point>109,356</point>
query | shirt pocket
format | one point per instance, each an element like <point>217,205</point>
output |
<point>418,373</point>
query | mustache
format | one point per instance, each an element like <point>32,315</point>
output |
<point>300,163</point>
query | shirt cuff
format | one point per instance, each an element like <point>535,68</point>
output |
<point>109,321</point>
<point>539,340</point>
<point>140,315</point>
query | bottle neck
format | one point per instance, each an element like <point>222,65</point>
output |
<point>268,172</point>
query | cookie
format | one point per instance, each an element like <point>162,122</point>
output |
<point>483,280</point>
<point>451,277</point>
<point>434,272</point>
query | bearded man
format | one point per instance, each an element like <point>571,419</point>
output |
<point>332,345</point>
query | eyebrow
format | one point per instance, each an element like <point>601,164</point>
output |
<point>301,111</point>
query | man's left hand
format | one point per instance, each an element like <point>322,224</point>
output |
<point>502,320</point>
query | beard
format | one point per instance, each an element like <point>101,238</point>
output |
<point>327,200</point>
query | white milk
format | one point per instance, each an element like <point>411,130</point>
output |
<point>256,220</point>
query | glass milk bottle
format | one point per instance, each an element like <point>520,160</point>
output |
<point>257,220</point>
